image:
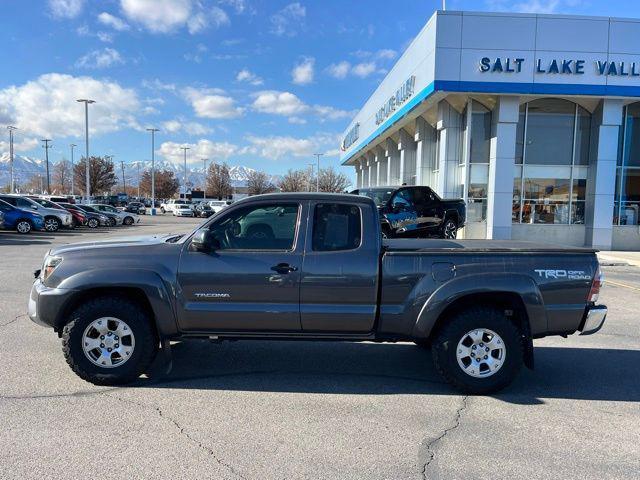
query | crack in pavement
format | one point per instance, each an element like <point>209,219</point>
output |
<point>429,446</point>
<point>182,432</point>
<point>14,320</point>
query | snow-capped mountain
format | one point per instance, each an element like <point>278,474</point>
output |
<point>26,167</point>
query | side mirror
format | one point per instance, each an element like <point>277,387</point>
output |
<point>204,241</point>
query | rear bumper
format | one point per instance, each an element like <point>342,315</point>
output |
<point>594,317</point>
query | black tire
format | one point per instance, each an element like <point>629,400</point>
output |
<point>162,210</point>
<point>112,222</point>
<point>446,341</point>
<point>23,226</point>
<point>449,229</point>
<point>128,220</point>
<point>146,344</point>
<point>51,224</point>
<point>93,223</point>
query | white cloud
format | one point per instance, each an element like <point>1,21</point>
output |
<point>245,75</point>
<point>197,55</point>
<point>278,103</point>
<point>364,69</point>
<point>191,128</point>
<point>212,103</point>
<point>65,8</point>
<point>276,147</point>
<point>47,107</point>
<point>302,73</point>
<point>527,6</point>
<point>106,57</point>
<point>20,145</point>
<point>240,6</point>
<point>339,70</point>
<point>113,22</point>
<point>386,54</point>
<point>289,105</point>
<point>286,21</point>
<point>173,152</point>
<point>163,16</point>
<point>104,37</point>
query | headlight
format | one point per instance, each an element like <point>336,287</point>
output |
<point>50,264</point>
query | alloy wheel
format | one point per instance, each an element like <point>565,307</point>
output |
<point>51,225</point>
<point>108,342</point>
<point>450,229</point>
<point>23,227</point>
<point>481,353</point>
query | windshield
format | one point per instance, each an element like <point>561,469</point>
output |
<point>47,203</point>
<point>87,208</point>
<point>379,196</point>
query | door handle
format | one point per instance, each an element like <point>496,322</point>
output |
<point>284,268</point>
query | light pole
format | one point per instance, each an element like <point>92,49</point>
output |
<point>138,167</point>
<point>318,155</point>
<point>73,145</point>
<point>11,128</point>
<point>311,165</point>
<point>153,169</point>
<point>184,178</point>
<point>46,147</point>
<point>86,101</point>
<point>204,174</point>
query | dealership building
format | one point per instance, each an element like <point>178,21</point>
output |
<point>534,120</point>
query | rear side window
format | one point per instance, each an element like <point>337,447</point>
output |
<point>336,226</point>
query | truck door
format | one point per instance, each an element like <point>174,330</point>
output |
<point>428,208</point>
<point>251,278</point>
<point>338,290</point>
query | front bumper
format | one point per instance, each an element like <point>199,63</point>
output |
<point>45,303</point>
<point>594,317</point>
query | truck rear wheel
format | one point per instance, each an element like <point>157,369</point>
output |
<point>109,341</point>
<point>479,350</point>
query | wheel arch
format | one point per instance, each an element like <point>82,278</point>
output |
<point>144,288</point>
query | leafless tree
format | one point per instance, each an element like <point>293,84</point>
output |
<point>219,181</point>
<point>62,176</point>
<point>294,181</point>
<point>258,182</point>
<point>333,181</point>
<point>101,175</point>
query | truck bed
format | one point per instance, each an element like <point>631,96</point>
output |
<point>475,246</point>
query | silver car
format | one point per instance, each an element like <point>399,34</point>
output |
<point>54,219</point>
<point>123,218</point>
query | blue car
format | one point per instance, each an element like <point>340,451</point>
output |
<point>23,221</point>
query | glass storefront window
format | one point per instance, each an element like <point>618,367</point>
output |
<point>627,197</point>
<point>480,133</point>
<point>552,144</point>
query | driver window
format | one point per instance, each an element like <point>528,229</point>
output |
<point>402,199</point>
<point>258,227</point>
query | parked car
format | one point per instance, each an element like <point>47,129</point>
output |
<point>123,218</point>
<point>183,210</point>
<point>171,203</point>
<point>136,207</point>
<point>78,218</point>
<point>310,266</point>
<point>23,221</point>
<point>93,219</point>
<point>54,218</point>
<point>415,212</point>
<point>203,210</point>
<point>218,205</point>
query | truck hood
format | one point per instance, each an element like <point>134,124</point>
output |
<point>118,242</point>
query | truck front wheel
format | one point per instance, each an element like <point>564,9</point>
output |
<point>109,341</point>
<point>479,350</point>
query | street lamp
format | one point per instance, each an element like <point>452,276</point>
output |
<point>311,165</point>
<point>204,175</point>
<point>86,102</point>
<point>184,178</point>
<point>11,128</point>
<point>318,155</point>
<point>73,145</point>
<point>46,147</point>
<point>153,169</point>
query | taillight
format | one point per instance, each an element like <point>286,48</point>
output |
<point>596,284</point>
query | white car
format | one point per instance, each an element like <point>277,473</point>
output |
<point>217,205</point>
<point>170,204</point>
<point>123,218</point>
<point>182,210</point>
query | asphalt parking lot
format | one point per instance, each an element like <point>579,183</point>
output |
<point>291,410</point>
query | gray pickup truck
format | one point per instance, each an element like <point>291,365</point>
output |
<point>313,267</point>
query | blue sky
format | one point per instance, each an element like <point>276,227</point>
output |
<point>258,83</point>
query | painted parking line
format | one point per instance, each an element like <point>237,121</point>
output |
<point>621,285</point>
